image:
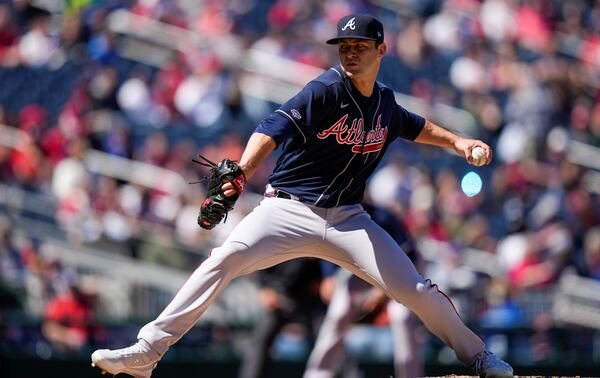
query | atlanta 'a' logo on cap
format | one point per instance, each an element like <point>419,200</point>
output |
<point>350,24</point>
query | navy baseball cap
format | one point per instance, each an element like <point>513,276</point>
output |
<point>358,26</point>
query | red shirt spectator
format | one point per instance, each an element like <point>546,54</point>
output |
<point>68,317</point>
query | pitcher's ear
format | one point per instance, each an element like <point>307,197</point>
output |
<point>382,48</point>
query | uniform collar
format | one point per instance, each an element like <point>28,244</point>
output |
<point>346,80</point>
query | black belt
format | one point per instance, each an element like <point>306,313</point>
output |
<point>285,195</point>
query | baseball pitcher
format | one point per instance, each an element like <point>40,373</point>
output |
<point>332,135</point>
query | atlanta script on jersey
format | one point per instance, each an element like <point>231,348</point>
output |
<point>332,138</point>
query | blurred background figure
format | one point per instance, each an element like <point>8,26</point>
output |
<point>69,321</point>
<point>289,292</point>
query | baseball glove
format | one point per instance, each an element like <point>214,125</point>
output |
<point>216,205</point>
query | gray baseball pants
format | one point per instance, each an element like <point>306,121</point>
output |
<point>279,230</point>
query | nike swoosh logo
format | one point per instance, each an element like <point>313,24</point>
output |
<point>344,105</point>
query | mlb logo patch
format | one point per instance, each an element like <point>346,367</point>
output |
<point>296,114</point>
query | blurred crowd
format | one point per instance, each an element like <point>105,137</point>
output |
<point>527,70</point>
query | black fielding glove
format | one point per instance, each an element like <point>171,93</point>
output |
<point>216,205</point>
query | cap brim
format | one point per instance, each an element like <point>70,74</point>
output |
<point>336,40</point>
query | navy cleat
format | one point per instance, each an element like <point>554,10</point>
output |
<point>487,365</point>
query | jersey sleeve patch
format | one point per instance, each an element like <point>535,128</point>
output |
<point>276,125</point>
<point>295,114</point>
<point>306,111</point>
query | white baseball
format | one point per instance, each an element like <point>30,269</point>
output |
<point>478,156</point>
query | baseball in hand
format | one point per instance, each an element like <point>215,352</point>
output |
<point>478,156</point>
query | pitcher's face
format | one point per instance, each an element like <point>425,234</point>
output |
<point>359,56</point>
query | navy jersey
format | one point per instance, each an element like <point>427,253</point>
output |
<point>332,138</point>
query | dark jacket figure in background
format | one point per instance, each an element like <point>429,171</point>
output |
<point>289,292</point>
